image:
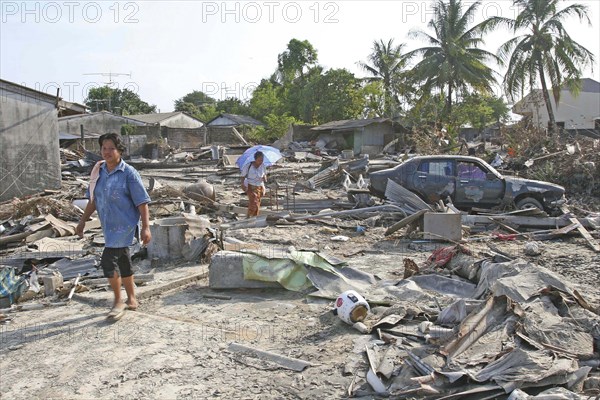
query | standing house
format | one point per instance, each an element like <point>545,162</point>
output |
<point>581,112</point>
<point>96,124</point>
<point>362,136</point>
<point>235,120</point>
<point>175,119</point>
<point>29,151</point>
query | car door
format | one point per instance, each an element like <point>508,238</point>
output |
<point>475,186</point>
<point>434,179</point>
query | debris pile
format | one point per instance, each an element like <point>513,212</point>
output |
<point>464,326</point>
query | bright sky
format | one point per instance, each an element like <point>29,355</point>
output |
<point>223,48</point>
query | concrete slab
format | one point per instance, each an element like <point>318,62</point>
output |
<point>226,271</point>
<point>440,226</point>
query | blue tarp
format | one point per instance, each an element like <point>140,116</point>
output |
<point>11,286</point>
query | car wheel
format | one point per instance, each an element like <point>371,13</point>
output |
<point>528,203</point>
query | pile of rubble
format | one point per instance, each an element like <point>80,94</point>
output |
<point>461,325</point>
<point>464,325</point>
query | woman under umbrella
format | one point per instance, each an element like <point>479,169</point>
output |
<point>254,176</point>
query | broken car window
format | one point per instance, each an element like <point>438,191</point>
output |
<point>469,170</point>
<point>441,168</point>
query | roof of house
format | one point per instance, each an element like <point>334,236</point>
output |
<point>25,91</point>
<point>156,118</point>
<point>71,108</point>
<point>126,119</point>
<point>590,85</point>
<point>238,119</point>
<point>70,136</point>
<point>349,124</point>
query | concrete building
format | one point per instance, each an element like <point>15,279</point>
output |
<point>363,136</point>
<point>581,112</point>
<point>176,119</point>
<point>29,151</point>
<point>233,120</point>
<point>98,123</point>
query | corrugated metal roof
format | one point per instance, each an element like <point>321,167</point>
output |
<point>70,136</point>
<point>127,119</point>
<point>349,124</point>
<point>155,118</point>
<point>25,91</point>
<point>237,119</point>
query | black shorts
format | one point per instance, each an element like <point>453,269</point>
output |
<point>116,259</point>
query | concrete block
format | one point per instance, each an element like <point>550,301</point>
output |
<point>440,226</point>
<point>226,271</point>
<point>168,238</point>
<point>51,283</point>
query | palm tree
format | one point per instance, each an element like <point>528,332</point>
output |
<point>454,62</point>
<point>546,51</point>
<point>387,65</point>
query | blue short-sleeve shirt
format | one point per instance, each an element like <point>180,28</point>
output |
<point>117,195</point>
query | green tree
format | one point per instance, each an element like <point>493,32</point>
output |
<point>276,126</point>
<point>199,105</point>
<point>546,52</point>
<point>266,99</point>
<point>341,96</point>
<point>453,62</point>
<point>479,111</point>
<point>387,63</point>
<point>425,111</point>
<point>373,94</point>
<point>207,113</point>
<point>301,96</point>
<point>232,105</point>
<point>118,101</point>
<point>293,63</point>
<point>320,97</point>
<point>196,98</point>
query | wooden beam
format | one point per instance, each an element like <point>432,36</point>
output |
<point>591,241</point>
<point>402,223</point>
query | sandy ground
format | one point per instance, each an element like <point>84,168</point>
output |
<point>176,345</point>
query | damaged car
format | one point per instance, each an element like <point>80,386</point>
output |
<point>469,182</point>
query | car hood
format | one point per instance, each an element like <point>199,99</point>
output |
<point>520,184</point>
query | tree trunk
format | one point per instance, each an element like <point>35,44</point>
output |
<point>449,101</point>
<point>552,129</point>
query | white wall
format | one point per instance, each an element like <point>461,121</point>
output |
<point>181,121</point>
<point>576,112</point>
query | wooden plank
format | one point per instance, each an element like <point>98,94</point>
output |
<point>138,279</point>
<point>239,136</point>
<point>524,222</point>
<point>14,238</point>
<point>504,226</point>
<point>283,361</point>
<point>402,223</point>
<point>591,241</point>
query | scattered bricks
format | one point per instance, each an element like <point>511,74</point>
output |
<point>226,271</point>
